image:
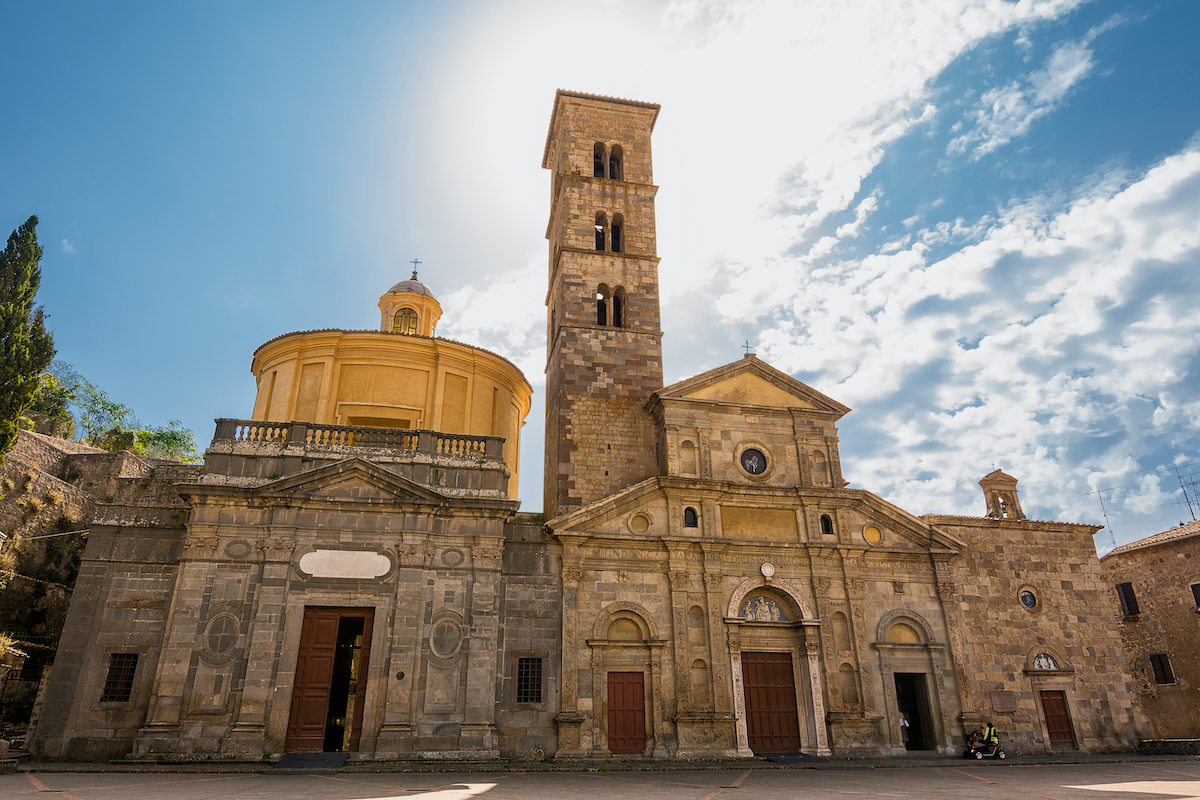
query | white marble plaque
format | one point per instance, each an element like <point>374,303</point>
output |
<point>361,564</point>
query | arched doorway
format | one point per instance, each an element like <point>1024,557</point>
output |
<point>774,648</point>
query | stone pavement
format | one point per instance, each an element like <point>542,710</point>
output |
<point>1160,779</point>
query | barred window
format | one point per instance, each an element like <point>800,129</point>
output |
<point>118,686</point>
<point>1161,664</point>
<point>529,680</point>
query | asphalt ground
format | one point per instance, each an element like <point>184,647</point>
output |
<point>1129,780</point>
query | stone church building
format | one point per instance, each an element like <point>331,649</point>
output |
<point>350,571</point>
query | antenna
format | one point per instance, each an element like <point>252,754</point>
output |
<point>1191,483</point>
<point>1104,511</point>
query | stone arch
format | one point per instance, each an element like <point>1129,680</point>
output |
<point>1053,652</point>
<point>779,585</point>
<point>923,628</point>
<point>631,611</point>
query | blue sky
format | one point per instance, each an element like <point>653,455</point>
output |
<point>973,222</point>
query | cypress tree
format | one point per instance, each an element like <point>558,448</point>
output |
<point>25,346</point>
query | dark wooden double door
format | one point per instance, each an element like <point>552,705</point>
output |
<point>331,685</point>
<point>1058,721</point>
<point>772,722</point>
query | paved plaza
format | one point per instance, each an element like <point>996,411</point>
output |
<point>1129,781</point>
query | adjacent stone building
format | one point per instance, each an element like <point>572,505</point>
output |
<point>1154,584</point>
<point>352,572</point>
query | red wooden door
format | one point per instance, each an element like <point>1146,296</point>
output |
<point>626,712</point>
<point>770,689</point>
<point>314,677</point>
<point>1058,722</point>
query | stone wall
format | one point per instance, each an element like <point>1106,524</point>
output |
<point>1162,571</point>
<point>1073,621</point>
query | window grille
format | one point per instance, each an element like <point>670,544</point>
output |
<point>529,680</point>
<point>118,686</point>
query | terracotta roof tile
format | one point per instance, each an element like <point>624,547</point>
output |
<point>1178,532</point>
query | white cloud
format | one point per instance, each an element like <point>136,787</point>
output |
<point>1059,342</point>
<point>67,247</point>
<point>1007,112</point>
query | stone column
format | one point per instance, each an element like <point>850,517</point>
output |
<point>739,689</point>
<point>715,600</point>
<point>263,692</point>
<point>705,454</point>
<point>656,705</point>
<point>570,720</point>
<point>947,591</point>
<point>891,708</point>
<point>858,619</point>
<point>403,672</point>
<point>479,722</point>
<point>821,588</point>
<point>813,648</point>
<point>160,730</point>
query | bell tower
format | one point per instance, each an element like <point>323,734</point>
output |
<point>604,350</point>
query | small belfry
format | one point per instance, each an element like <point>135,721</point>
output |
<point>1000,493</point>
<point>604,354</point>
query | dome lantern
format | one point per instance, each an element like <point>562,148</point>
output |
<point>409,308</point>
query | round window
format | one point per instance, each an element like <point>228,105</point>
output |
<point>222,634</point>
<point>872,534</point>
<point>446,638</point>
<point>1028,599</point>
<point>753,461</point>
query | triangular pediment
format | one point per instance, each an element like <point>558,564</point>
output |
<point>750,382</point>
<point>612,511</point>
<point>352,481</point>
<point>912,531</point>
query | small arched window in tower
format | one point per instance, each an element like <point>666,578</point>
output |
<point>826,525</point>
<point>601,225</point>
<point>405,322</point>
<point>615,160</point>
<point>618,305</point>
<point>690,519</point>
<point>602,304</point>
<point>618,229</point>
<point>598,160</point>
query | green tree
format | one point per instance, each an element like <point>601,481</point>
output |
<point>25,346</point>
<point>171,441</point>
<point>50,412</point>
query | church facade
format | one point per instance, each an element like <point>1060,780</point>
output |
<point>353,573</point>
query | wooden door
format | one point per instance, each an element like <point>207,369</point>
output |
<point>772,723</point>
<point>314,677</point>
<point>1058,722</point>
<point>626,712</point>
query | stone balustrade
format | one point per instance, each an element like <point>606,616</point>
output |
<point>311,434</point>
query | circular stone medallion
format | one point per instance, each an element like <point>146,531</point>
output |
<point>237,549</point>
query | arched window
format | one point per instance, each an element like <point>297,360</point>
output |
<point>690,520</point>
<point>598,160</point>
<point>618,228</point>
<point>601,225</point>
<point>618,302</point>
<point>405,322</point>
<point>615,162</point>
<point>826,525</point>
<point>602,304</point>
